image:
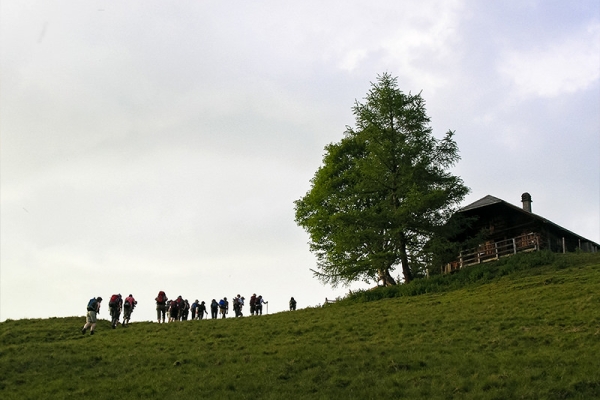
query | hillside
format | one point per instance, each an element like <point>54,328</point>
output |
<point>532,333</point>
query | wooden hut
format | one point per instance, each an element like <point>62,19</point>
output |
<point>509,229</point>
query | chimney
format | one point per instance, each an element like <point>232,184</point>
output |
<point>526,199</point>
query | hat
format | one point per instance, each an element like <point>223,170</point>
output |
<point>99,298</point>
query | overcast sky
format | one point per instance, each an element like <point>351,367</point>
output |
<point>152,145</point>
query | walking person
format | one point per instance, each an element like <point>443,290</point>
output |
<point>128,307</point>
<point>173,311</point>
<point>201,310</point>
<point>292,304</point>
<point>194,309</point>
<point>186,310</point>
<point>115,305</point>
<point>258,304</point>
<point>223,307</point>
<point>253,304</point>
<point>91,317</point>
<point>214,309</point>
<point>241,305</point>
<point>180,307</point>
<point>236,305</point>
<point>161,306</point>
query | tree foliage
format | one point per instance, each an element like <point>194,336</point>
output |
<point>383,192</point>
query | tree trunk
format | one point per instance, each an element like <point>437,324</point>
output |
<point>385,277</point>
<point>404,260</point>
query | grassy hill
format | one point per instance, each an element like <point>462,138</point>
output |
<point>527,328</point>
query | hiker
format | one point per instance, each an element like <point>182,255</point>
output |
<point>241,305</point>
<point>161,306</point>
<point>258,304</point>
<point>223,307</point>
<point>173,311</point>
<point>201,310</point>
<point>115,304</point>
<point>236,305</point>
<point>128,307</point>
<point>93,309</point>
<point>214,309</point>
<point>194,309</point>
<point>185,312</point>
<point>180,307</point>
<point>292,304</point>
<point>253,304</point>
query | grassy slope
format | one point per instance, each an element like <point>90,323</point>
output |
<point>532,334</point>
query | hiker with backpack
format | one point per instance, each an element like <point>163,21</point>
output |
<point>241,304</point>
<point>258,304</point>
<point>238,303</point>
<point>236,306</point>
<point>161,306</point>
<point>292,304</point>
<point>115,304</point>
<point>91,317</point>
<point>201,310</point>
<point>194,309</point>
<point>185,312</point>
<point>180,307</point>
<point>173,311</point>
<point>128,306</point>
<point>253,304</point>
<point>223,307</point>
<point>214,309</point>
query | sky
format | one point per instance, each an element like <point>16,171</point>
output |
<point>151,145</point>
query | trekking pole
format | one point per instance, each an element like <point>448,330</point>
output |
<point>267,308</point>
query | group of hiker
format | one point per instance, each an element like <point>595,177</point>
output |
<point>176,310</point>
<point>116,304</point>
<point>179,309</point>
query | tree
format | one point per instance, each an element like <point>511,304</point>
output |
<point>383,192</point>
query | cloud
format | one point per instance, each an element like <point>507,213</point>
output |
<point>156,145</point>
<point>567,66</point>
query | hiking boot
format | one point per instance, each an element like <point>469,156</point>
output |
<point>83,331</point>
<point>91,332</point>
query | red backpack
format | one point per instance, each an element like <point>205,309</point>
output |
<point>129,302</point>
<point>161,298</point>
<point>114,300</point>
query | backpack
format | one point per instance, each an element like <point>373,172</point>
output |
<point>114,300</point>
<point>92,304</point>
<point>127,303</point>
<point>161,298</point>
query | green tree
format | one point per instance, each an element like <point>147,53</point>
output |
<point>383,192</point>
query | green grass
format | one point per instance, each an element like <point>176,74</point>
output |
<point>525,328</point>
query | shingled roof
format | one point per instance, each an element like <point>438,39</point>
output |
<point>491,200</point>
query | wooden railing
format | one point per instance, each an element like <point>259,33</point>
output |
<point>328,301</point>
<point>492,250</point>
